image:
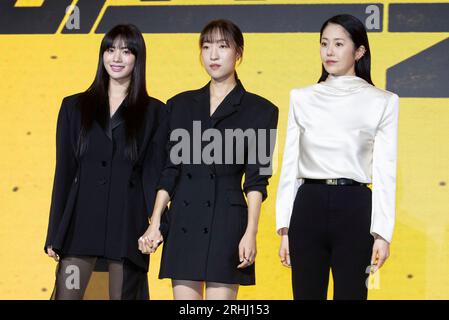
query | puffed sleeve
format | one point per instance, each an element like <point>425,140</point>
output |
<point>384,171</point>
<point>257,174</point>
<point>170,173</point>
<point>66,167</point>
<point>288,182</point>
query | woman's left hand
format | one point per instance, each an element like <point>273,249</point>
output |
<point>381,252</point>
<point>247,250</point>
<point>150,240</point>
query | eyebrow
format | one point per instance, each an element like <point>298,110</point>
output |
<point>333,39</point>
<point>219,40</point>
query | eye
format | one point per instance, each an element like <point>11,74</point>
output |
<point>323,44</point>
<point>339,44</point>
<point>205,47</point>
<point>126,51</point>
<point>110,50</point>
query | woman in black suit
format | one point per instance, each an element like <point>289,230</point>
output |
<point>212,230</point>
<point>108,158</point>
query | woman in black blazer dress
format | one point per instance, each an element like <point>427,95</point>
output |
<point>212,230</point>
<point>109,153</point>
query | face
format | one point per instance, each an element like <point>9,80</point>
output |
<point>338,53</point>
<point>119,61</point>
<point>219,58</point>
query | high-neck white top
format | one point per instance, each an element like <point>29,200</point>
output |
<point>342,128</point>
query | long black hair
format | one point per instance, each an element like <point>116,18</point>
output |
<point>94,102</point>
<point>359,37</point>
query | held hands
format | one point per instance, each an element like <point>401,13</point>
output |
<point>247,250</point>
<point>150,240</point>
<point>52,254</point>
<point>381,252</point>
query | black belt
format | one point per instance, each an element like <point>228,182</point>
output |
<point>335,182</point>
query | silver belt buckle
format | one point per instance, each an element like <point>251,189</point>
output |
<point>331,182</point>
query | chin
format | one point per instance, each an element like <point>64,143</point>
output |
<point>118,77</point>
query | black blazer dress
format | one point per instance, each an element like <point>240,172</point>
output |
<point>101,201</point>
<point>208,212</point>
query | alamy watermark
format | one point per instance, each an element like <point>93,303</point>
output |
<point>372,22</point>
<point>250,146</point>
<point>73,21</point>
<point>72,282</point>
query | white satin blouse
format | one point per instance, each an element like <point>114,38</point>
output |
<point>342,128</point>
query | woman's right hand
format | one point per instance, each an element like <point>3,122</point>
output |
<point>150,240</point>
<point>284,251</point>
<point>52,254</point>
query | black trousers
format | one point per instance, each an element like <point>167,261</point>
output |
<point>330,230</point>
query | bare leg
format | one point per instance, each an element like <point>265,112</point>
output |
<point>73,277</point>
<point>187,290</point>
<point>115,279</point>
<point>221,291</point>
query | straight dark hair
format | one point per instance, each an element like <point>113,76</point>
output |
<point>229,32</point>
<point>94,102</point>
<point>359,37</point>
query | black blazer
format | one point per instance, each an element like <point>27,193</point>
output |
<point>208,212</point>
<point>101,201</point>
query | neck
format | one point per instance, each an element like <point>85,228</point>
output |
<point>221,87</point>
<point>118,88</point>
<point>350,72</point>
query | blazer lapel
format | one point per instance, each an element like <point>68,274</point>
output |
<point>226,108</point>
<point>229,103</point>
<point>118,117</point>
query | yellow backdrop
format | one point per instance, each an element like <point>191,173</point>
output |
<point>37,71</point>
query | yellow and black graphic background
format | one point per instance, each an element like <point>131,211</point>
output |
<point>42,61</point>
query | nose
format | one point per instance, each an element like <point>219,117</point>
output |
<point>117,57</point>
<point>214,53</point>
<point>330,51</point>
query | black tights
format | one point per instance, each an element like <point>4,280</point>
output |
<point>74,273</point>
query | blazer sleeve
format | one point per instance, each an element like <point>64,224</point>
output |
<point>288,183</point>
<point>384,171</point>
<point>170,172</point>
<point>65,171</point>
<point>258,173</point>
<point>155,160</point>
<point>156,155</point>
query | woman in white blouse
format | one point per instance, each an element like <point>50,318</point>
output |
<point>341,136</point>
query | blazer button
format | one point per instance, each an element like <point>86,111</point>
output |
<point>212,176</point>
<point>131,183</point>
<point>104,163</point>
<point>207,203</point>
<point>184,230</point>
<point>186,203</point>
<point>75,180</point>
<point>205,230</point>
<point>189,175</point>
<point>102,181</point>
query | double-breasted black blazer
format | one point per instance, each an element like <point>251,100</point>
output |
<point>101,200</point>
<point>208,212</point>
